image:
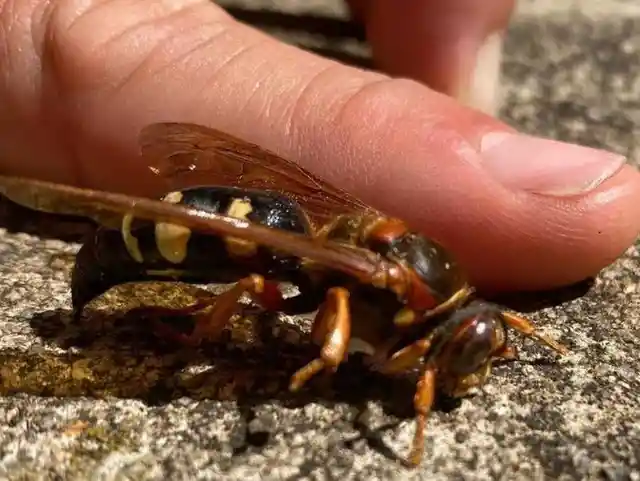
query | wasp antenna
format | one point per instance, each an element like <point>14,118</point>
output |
<point>527,328</point>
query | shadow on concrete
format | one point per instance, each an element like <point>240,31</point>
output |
<point>534,301</point>
<point>117,355</point>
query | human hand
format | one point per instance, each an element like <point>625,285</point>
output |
<point>81,78</point>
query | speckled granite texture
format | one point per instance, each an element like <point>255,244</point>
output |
<point>78,405</point>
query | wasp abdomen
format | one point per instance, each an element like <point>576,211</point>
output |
<point>143,250</point>
<point>171,245</point>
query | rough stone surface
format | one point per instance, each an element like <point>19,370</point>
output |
<point>78,404</point>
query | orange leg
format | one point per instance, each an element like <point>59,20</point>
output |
<point>406,358</point>
<point>528,329</point>
<point>210,325</point>
<point>212,315</point>
<point>423,401</point>
<point>331,329</point>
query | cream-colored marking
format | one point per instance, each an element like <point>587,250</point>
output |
<point>130,241</point>
<point>173,197</point>
<point>358,345</point>
<point>172,239</point>
<point>240,209</point>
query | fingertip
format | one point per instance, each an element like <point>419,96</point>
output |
<point>423,159</point>
<point>541,242</point>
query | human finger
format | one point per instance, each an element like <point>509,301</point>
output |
<point>519,212</point>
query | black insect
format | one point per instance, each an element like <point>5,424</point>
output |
<point>260,220</point>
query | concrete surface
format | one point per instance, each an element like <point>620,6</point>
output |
<point>79,405</point>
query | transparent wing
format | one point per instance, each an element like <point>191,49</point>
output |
<point>188,154</point>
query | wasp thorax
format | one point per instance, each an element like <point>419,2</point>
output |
<point>432,265</point>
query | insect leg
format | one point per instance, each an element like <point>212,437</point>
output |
<point>528,329</point>
<point>332,329</point>
<point>406,358</point>
<point>423,400</point>
<point>213,313</point>
<point>209,325</point>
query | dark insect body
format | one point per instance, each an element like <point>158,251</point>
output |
<point>378,287</point>
<point>143,250</point>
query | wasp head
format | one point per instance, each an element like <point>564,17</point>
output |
<point>464,349</point>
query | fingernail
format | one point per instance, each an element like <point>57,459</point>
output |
<point>481,90</point>
<point>546,167</point>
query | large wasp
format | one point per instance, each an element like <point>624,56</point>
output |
<point>377,286</point>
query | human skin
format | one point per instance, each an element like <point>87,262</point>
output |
<point>79,79</point>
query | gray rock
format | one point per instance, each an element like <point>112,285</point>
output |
<point>106,401</point>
